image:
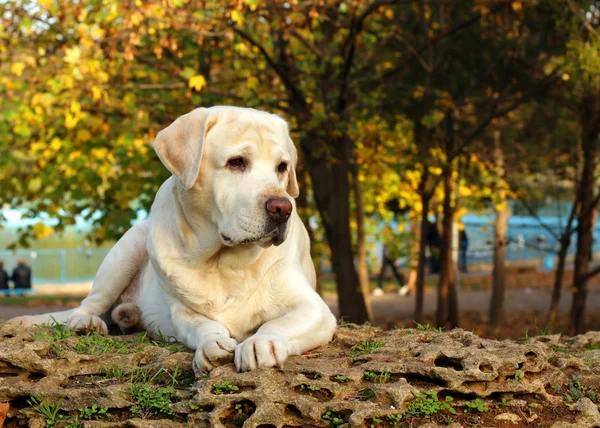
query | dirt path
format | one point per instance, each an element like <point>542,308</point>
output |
<point>392,305</point>
<point>520,300</point>
<point>10,311</point>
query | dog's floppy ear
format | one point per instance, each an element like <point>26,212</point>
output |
<point>179,146</point>
<point>292,187</point>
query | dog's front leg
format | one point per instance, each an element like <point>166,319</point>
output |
<point>210,339</point>
<point>307,324</point>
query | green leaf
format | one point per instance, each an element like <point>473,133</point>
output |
<point>35,184</point>
<point>188,72</point>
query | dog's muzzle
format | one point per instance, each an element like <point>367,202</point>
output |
<point>278,209</point>
<point>274,236</point>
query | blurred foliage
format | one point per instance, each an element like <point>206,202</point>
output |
<point>87,85</point>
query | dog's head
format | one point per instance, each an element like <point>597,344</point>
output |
<point>236,168</point>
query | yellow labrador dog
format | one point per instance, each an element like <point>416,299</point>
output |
<point>223,263</point>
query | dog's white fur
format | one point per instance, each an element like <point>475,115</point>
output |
<point>214,280</point>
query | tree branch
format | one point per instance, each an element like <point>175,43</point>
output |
<point>296,94</point>
<point>589,275</point>
<point>392,34</point>
<point>578,13</point>
<point>483,125</point>
<point>307,44</point>
<point>350,45</point>
<point>464,24</point>
<point>501,113</point>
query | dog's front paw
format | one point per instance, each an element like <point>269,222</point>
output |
<point>213,352</point>
<point>260,350</point>
<point>87,324</point>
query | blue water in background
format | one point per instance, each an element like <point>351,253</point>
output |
<point>528,240</point>
<point>528,236</point>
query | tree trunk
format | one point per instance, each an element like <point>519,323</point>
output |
<point>565,242</point>
<point>452,301</point>
<point>331,190</point>
<point>414,255</point>
<point>361,244</point>
<point>453,312</point>
<point>424,138</point>
<point>446,244</point>
<point>590,127</point>
<point>499,270</point>
<point>420,285</point>
<point>303,210</point>
<point>446,297</point>
<point>500,228</point>
<point>594,218</point>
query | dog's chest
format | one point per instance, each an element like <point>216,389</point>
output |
<point>240,302</point>
<point>242,316</point>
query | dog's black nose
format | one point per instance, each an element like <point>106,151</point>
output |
<point>279,209</point>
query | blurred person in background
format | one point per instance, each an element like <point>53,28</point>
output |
<point>386,261</point>
<point>21,275</point>
<point>434,241</point>
<point>463,242</point>
<point>3,277</point>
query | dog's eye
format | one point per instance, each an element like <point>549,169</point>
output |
<point>282,167</point>
<point>237,163</point>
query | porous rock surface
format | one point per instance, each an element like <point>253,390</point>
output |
<point>311,389</point>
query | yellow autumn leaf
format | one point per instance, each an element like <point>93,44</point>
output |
<point>70,120</point>
<point>97,32</point>
<point>459,213</point>
<point>237,17</point>
<point>17,68</point>
<point>96,93</point>
<point>197,82</point>
<point>83,135</point>
<point>252,82</point>
<point>75,107</point>
<point>55,144</point>
<point>99,153</point>
<point>42,231</point>
<point>72,55</point>
<point>418,206</point>
<point>35,184</point>
<point>140,145</point>
<point>136,18</point>
<point>464,191</point>
<point>38,146</point>
<point>419,92</point>
<point>501,206</point>
<point>434,170</point>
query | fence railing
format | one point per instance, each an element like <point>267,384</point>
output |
<point>57,265</point>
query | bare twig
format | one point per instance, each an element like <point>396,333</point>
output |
<point>579,13</point>
<point>294,91</point>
